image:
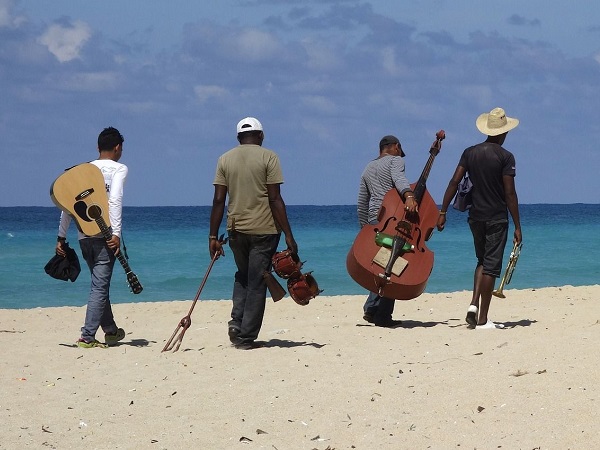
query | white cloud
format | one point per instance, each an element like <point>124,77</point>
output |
<point>66,42</point>
<point>256,45</point>
<point>319,103</point>
<point>390,62</point>
<point>7,20</point>
<point>320,56</point>
<point>205,93</point>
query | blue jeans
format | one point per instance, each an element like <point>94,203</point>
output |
<point>101,260</point>
<point>252,254</point>
<point>380,308</point>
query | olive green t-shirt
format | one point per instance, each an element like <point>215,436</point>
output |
<point>246,170</point>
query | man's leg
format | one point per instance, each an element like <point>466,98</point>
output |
<point>383,316</point>
<point>239,244</point>
<point>261,252</point>
<point>100,259</point>
<point>370,306</point>
<point>486,286</point>
<point>471,318</point>
<point>478,232</point>
<point>496,234</point>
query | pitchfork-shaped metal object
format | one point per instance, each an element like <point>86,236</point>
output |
<point>186,321</point>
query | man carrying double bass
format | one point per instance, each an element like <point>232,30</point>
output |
<point>381,175</point>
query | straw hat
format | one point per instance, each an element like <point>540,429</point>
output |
<point>495,122</point>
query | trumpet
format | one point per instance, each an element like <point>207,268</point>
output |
<point>510,268</point>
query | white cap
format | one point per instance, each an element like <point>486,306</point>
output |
<point>249,124</point>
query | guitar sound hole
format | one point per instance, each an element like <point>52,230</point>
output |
<point>81,210</point>
<point>95,212</point>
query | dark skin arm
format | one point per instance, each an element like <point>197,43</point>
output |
<point>510,194</point>
<point>216,216</point>
<point>280,215</point>
<point>459,173</point>
<point>277,209</point>
<point>512,203</point>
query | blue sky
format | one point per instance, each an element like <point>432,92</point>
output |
<point>327,79</point>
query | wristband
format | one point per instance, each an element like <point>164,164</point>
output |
<point>211,237</point>
<point>61,239</point>
<point>443,213</point>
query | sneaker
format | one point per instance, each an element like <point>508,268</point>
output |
<point>471,318</point>
<point>90,344</point>
<point>112,339</point>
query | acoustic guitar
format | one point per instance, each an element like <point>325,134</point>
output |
<point>80,192</point>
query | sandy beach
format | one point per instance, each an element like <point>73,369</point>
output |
<point>324,379</point>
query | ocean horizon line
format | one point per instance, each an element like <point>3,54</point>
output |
<point>287,204</point>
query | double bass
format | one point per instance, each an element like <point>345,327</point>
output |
<point>390,257</point>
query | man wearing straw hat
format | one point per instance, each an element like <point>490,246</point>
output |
<point>491,169</point>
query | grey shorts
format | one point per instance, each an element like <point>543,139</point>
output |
<point>489,239</point>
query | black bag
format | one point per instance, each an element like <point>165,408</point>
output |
<point>463,199</point>
<point>64,268</point>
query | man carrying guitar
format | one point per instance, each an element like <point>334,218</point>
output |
<point>98,252</point>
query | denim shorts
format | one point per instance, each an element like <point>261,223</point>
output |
<point>489,239</point>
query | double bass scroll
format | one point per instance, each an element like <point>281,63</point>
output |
<point>390,257</point>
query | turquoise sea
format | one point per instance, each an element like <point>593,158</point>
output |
<point>168,251</point>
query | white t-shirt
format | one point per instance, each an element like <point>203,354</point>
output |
<point>114,178</point>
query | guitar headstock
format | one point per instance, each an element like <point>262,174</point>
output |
<point>134,283</point>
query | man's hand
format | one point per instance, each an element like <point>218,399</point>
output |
<point>411,205</point>
<point>291,244</point>
<point>60,250</point>
<point>441,222</point>
<point>517,237</point>
<point>215,248</point>
<point>114,243</point>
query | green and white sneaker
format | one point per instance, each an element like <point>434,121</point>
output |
<point>82,343</point>
<point>112,339</point>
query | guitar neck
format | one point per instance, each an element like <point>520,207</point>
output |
<point>105,230</point>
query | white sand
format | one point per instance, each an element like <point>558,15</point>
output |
<point>325,379</point>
